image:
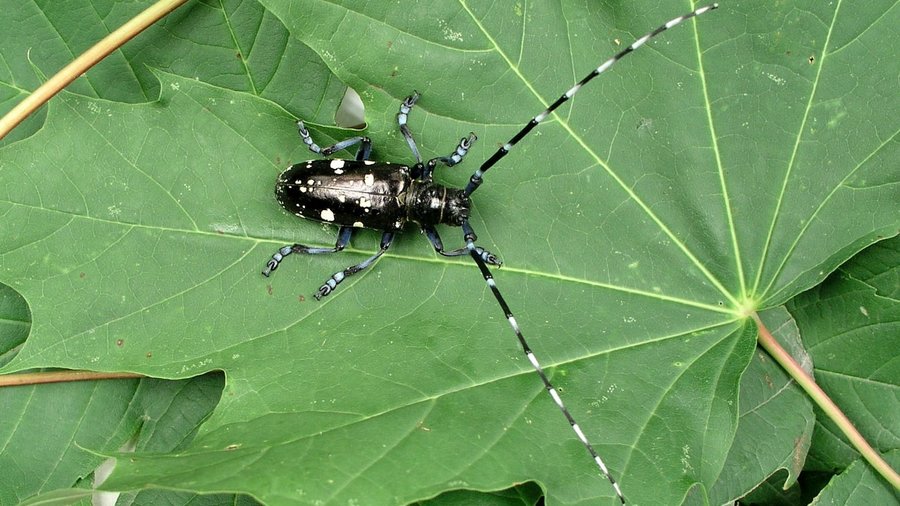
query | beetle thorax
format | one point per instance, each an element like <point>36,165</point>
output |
<point>430,204</point>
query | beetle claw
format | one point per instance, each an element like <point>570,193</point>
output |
<point>324,290</point>
<point>488,257</point>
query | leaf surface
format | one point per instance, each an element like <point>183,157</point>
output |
<point>854,312</point>
<point>701,178</point>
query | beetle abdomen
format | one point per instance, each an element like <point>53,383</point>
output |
<point>348,193</point>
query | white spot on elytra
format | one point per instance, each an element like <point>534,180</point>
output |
<point>370,179</point>
<point>327,215</point>
<point>337,164</point>
<point>310,182</point>
<point>358,224</point>
<point>369,162</point>
<point>341,197</point>
<point>364,202</point>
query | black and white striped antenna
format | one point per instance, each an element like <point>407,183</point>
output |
<point>476,180</point>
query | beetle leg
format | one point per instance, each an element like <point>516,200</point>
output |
<point>452,159</point>
<point>487,256</point>
<point>361,154</point>
<point>365,149</point>
<point>402,116</point>
<point>337,277</point>
<point>342,241</point>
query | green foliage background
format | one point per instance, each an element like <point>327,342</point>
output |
<point>723,168</point>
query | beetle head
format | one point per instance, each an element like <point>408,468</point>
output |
<point>433,204</point>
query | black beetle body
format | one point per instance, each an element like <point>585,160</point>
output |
<point>362,193</point>
<point>367,194</point>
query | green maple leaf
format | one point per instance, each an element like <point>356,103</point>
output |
<point>721,169</point>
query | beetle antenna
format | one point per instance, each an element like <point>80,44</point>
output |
<point>476,179</point>
<point>489,279</point>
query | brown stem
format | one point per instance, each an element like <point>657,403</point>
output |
<point>87,60</point>
<point>34,378</point>
<point>808,384</point>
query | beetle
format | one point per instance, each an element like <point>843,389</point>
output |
<point>362,193</point>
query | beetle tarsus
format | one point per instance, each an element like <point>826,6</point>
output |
<point>273,262</point>
<point>324,290</point>
<point>488,257</point>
